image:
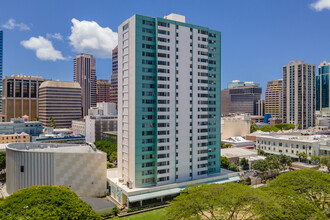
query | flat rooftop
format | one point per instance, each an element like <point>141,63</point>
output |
<point>52,148</point>
<point>238,152</point>
<point>308,138</point>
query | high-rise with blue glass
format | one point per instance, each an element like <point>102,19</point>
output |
<point>1,67</point>
<point>322,87</point>
<point>168,101</point>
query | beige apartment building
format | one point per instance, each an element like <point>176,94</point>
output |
<point>299,94</point>
<point>61,101</point>
<point>14,138</point>
<point>273,98</point>
<point>20,96</point>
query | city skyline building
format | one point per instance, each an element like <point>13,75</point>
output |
<point>237,83</point>
<point>168,103</point>
<point>84,73</point>
<point>20,96</point>
<point>273,98</point>
<point>299,94</point>
<point>261,107</point>
<point>323,87</point>
<point>1,68</point>
<point>114,77</point>
<point>240,98</point>
<point>102,90</point>
<point>61,101</point>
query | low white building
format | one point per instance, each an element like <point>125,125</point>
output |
<point>290,145</point>
<point>80,167</point>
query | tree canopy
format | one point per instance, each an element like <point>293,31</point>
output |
<point>52,122</point>
<point>109,147</point>
<point>224,145</point>
<point>313,185</point>
<point>275,128</point>
<point>244,163</point>
<point>325,161</point>
<point>272,162</point>
<point>279,200</point>
<point>225,162</point>
<point>45,202</point>
<point>2,160</point>
<point>217,201</point>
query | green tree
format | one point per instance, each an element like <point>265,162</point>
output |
<point>244,164</point>
<point>224,145</point>
<point>312,185</point>
<point>45,202</point>
<point>225,162</point>
<point>269,128</point>
<point>285,161</point>
<point>52,122</point>
<point>262,166</point>
<point>325,161</point>
<point>315,160</point>
<point>261,152</point>
<point>108,147</point>
<point>253,127</point>
<point>110,165</point>
<point>286,204</point>
<point>302,156</point>
<point>113,156</point>
<point>233,167</point>
<point>2,160</point>
<point>238,201</point>
<point>217,201</point>
<point>284,126</point>
<point>273,162</point>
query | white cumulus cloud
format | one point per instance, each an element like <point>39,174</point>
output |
<point>11,24</point>
<point>319,5</point>
<point>90,37</point>
<point>57,36</point>
<point>44,48</point>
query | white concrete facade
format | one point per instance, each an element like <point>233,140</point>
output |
<point>290,145</point>
<point>79,167</point>
<point>167,106</point>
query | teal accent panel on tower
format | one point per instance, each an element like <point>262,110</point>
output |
<point>145,102</point>
<point>214,102</point>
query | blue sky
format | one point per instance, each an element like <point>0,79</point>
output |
<point>258,36</point>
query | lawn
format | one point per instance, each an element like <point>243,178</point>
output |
<point>157,214</point>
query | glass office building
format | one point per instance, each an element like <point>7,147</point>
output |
<point>322,87</point>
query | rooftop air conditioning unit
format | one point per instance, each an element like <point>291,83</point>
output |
<point>129,184</point>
